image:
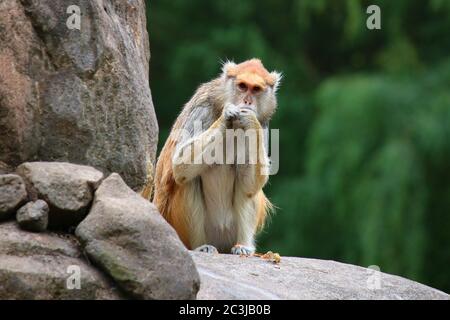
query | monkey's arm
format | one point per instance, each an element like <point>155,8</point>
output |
<point>188,161</point>
<point>253,177</point>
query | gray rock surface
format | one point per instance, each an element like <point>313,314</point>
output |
<point>37,266</point>
<point>234,277</point>
<point>5,169</point>
<point>129,240</point>
<point>12,194</point>
<point>67,188</point>
<point>77,95</point>
<point>33,216</point>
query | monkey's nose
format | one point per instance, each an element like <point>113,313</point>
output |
<point>248,100</point>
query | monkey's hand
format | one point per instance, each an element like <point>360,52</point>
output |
<point>247,118</point>
<point>230,112</point>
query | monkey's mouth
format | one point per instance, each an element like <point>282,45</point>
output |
<point>249,108</point>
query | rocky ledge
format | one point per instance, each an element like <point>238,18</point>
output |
<point>67,232</point>
<point>235,277</point>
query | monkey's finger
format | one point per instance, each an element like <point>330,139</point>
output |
<point>242,250</point>
<point>231,115</point>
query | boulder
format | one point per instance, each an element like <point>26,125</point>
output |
<point>129,240</point>
<point>226,276</point>
<point>42,266</point>
<point>12,194</point>
<point>33,216</point>
<point>77,94</point>
<point>67,188</point>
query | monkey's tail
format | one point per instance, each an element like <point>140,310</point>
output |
<point>264,210</point>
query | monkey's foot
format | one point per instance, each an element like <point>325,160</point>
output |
<point>207,248</point>
<point>242,250</point>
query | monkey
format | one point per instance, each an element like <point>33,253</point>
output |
<point>219,207</point>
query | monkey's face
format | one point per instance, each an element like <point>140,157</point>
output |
<point>249,85</point>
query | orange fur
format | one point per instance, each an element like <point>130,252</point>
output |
<point>252,80</point>
<point>263,208</point>
<point>253,71</point>
<point>169,195</point>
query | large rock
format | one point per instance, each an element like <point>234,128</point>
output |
<point>12,194</point>
<point>67,188</point>
<point>40,266</point>
<point>127,238</point>
<point>77,95</point>
<point>234,277</point>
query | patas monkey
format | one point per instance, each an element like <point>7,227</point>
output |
<point>219,205</point>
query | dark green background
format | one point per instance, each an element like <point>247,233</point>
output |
<point>364,119</point>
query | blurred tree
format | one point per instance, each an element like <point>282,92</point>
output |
<point>364,119</point>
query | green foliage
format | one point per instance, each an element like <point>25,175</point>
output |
<point>364,119</point>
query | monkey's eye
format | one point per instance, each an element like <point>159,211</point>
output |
<point>242,86</point>
<point>257,89</point>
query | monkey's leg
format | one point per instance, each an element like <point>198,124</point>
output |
<point>246,222</point>
<point>247,219</point>
<point>207,248</point>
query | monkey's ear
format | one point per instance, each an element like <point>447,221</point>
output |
<point>276,77</point>
<point>229,69</point>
